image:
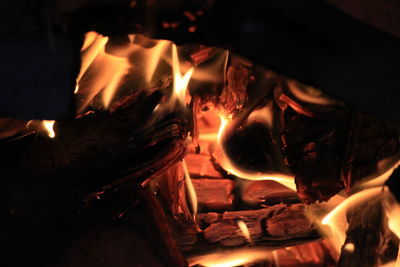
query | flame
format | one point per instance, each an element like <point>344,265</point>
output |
<point>336,219</point>
<point>245,230</point>
<point>231,258</point>
<point>190,190</point>
<point>308,94</point>
<point>392,211</point>
<point>154,57</point>
<point>349,247</point>
<point>110,89</point>
<point>229,166</point>
<point>110,70</point>
<point>181,81</point>
<point>379,180</point>
<point>263,114</point>
<point>88,40</point>
<point>93,44</point>
<point>48,125</point>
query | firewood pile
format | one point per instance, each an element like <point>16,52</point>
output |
<point>139,185</point>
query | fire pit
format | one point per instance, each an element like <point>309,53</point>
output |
<point>191,155</point>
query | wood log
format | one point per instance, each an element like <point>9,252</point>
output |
<point>374,244</point>
<point>47,183</point>
<point>256,193</point>
<point>200,165</point>
<point>214,194</point>
<point>278,225</point>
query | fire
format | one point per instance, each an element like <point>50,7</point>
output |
<point>181,81</point>
<point>48,125</point>
<point>231,258</point>
<point>154,57</point>
<point>336,219</point>
<point>109,71</point>
<point>93,44</point>
<point>42,126</point>
<point>230,167</point>
<point>190,191</point>
<point>245,230</point>
<point>110,89</point>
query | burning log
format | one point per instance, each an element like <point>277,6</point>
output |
<point>369,242</point>
<point>47,182</point>
<point>278,225</point>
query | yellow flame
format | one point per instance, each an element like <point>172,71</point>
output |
<point>245,230</point>
<point>181,81</point>
<point>112,86</point>
<point>91,51</point>
<point>110,70</point>
<point>379,180</point>
<point>88,40</point>
<point>349,247</point>
<point>154,57</point>
<point>231,258</point>
<point>190,189</point>
<point>228,165</point>
<point>336,219</point>
<point>48,125</point>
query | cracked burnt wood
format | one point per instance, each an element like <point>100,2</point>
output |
<point>275,226</point>
<point>330,145</point>
<point>374,243</point>
<point>46,182</point>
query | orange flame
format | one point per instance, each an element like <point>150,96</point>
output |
<point>230,167</point>
<point>231,258</point>
<point>93,44</point>
<point>110,70</point>
<point>154,57</point>
<point>336,219</point>
<point>110,89</point>
<point>181,81</point>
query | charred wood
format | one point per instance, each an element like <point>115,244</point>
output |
<point>374,244</point>
<point>279,225</point>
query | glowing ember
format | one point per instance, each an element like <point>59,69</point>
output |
<point>231,258</point>
<point>245,231</point>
